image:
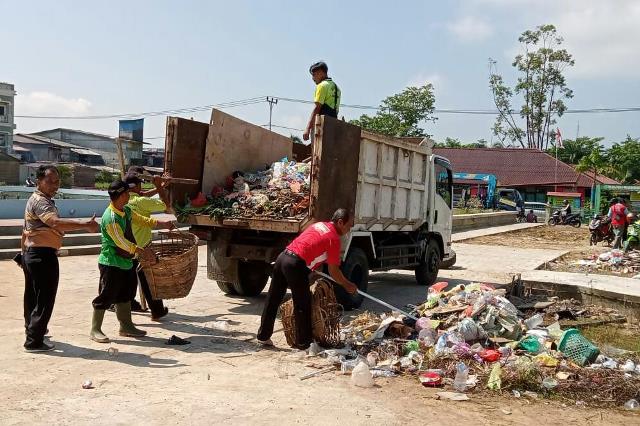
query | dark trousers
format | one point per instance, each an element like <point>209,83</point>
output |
<point>41,275</point>
<point>292,272</point>
<point>156,305</point>
<point>116,286</point>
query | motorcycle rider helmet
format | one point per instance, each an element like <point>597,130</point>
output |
<point>565,202</point>
<point>631,217</point>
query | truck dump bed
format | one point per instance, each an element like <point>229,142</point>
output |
<point>383,180</point>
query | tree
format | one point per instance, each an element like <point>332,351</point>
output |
<point>574,150</point>
<point>401,114</point>
<point>624,160</point>
<point>450,143</point>
<point>595,162</point>
<point>541,84</point>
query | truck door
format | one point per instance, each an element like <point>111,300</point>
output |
<point>442,201</point>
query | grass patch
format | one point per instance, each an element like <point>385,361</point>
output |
<point>105,185</point>
<point>613,335</point>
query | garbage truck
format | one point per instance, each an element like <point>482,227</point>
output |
<point>399,192</point>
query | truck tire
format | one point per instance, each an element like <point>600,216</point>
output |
<point>427,271</point>
<point>252,278</point>
<point>356,269</point>
<point>227,288</point>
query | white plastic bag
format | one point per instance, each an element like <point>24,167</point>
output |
<point>361,376</point>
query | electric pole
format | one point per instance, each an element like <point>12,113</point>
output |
<point>272,101</point>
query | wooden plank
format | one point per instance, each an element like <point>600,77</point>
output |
<point>336,164</point>
<point>184,153</point>
<point>121,161</point>
<point>233,144</point>
<point>289,226</point>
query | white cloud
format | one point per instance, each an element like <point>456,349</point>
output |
<point>46,103</point>
<point>470,29</point>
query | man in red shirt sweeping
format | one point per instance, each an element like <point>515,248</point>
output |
<point>318,244</point>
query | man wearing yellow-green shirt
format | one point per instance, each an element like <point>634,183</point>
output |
<point>326,98</point>
<point>145,206</point>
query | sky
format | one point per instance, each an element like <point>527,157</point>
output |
<point>83,58</point>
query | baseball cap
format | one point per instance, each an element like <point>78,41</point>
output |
<point>118,187</point>
<point>132,179</point>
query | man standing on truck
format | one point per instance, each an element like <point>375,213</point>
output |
<point>318,244</point>
<point>327,96</point>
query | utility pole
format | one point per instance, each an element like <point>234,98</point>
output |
<point>272,101</point>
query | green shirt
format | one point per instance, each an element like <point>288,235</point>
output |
<point>115,227</point>
<point>144,206</point>
<point>328,93</point>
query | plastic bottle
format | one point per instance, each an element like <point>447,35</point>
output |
<point>462,375</point>
<point>534,321</point>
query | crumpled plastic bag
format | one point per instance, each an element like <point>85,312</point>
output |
<point>361,376</point>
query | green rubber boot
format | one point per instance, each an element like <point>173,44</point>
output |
<point>127,328</point>
<point>96,333</point>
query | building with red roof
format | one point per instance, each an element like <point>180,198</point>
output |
<point>532,172</point>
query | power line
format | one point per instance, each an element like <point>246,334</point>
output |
<point>273,99</point>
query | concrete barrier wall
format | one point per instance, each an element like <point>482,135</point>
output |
<point>13,209</point>
<point>468,222</point>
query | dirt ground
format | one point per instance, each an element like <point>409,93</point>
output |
<point>567,238</point>
<point>552,237</point>
<point>221,377</point>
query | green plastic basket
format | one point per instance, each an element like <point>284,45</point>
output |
<point>577,348</point>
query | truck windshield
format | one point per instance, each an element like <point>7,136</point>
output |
<point>444,180</point>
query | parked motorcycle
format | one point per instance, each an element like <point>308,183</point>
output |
<point>573,219</point>
<point>601,230</point>
<point>521,218</point>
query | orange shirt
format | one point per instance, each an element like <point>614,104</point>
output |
<point>38,219</point>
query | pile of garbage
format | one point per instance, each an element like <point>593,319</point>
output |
<point>474,337</point>
<point>281,191</point>
<point>614,260</point>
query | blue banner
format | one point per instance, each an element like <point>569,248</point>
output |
<point>131,129</point>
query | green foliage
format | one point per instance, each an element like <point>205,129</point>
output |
<point>624,160</point>
<point>402,113</point>
<point>541,84</point>
<point>574,150</point>
<point>106,177</point>
<point>595,162</point>
<point>66,176</point>
<point>450,143</point>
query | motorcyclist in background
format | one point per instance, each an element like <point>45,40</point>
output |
<point>566,210</point>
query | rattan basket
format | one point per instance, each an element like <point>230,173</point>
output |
<point>325,316</point>
<point>172,275</point>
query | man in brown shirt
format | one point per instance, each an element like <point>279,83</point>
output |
<point>41,239</point>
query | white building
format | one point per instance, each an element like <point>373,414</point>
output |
<point>7,126</point>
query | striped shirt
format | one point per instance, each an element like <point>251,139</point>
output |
<point>39,215</point>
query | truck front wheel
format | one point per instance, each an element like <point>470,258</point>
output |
<point>356,269</point>
<point>427,271</point>
<point>252,278</point>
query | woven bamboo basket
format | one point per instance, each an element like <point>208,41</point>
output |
<point>173,272</point>
<point>325,316</point>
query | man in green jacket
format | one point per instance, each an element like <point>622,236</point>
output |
<point>144,205</point>
<point>118,281</point>
<point>326,98</point>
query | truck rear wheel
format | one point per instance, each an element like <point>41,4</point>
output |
<point>427,271</point>
<point>227,288</point>
<point>356,269</point>
<point>252,278</point>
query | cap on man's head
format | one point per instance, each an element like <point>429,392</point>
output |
<point>132,179</point>
<point>118,187</point>
<point>318,66</point>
